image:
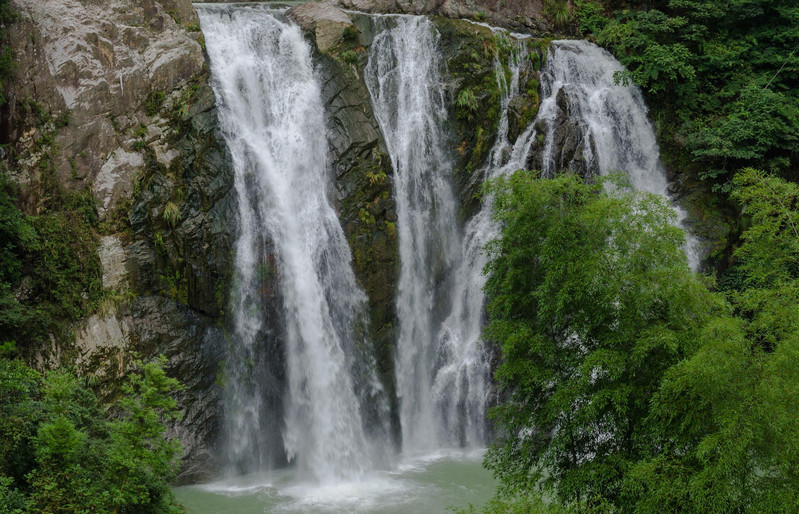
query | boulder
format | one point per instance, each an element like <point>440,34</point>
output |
<point>327,22</point>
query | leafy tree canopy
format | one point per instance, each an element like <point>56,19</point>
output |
<point>62,453</point>
<point>723,76</point>
<point>629,385</point>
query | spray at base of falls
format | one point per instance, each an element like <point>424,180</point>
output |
<point>272,118</point>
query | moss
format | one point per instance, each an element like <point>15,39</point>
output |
<point>349,57</point>
<point>56,252</point>
<point>117,219</point>
<point>177,287</point>
<point>366,216</point>
<point>466,104</point>
<point>539,49</point>
<point>375,177</point>
<point>155,100</point>
<point>350,33</point>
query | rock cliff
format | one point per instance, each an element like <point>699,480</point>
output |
<point>112,98</point>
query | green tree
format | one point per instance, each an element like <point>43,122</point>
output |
<point>629,385</point>
<point>731,411</point>
<point>722,77</point>
<point>62,453</point>
<point>591,300</point>
<point>141,458</point>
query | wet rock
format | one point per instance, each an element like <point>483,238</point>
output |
<point>327,22</point>
<point>573,146</point>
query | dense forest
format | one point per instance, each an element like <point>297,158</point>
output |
<point>632,384</point>
<point>627,382</point>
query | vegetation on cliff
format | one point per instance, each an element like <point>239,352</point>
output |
<point>62,452</point>
<point>49,269</point>
<point>721,77</point>
<point>631,385</point>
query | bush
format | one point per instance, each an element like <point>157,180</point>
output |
<point>63,453</point>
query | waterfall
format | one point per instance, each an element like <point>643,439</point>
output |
<point>272,118</point>
<point>300,382</point>
<point>462,384</point>
<point>612,119</point>
<point>404,78</point>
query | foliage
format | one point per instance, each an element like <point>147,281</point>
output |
<point>722,76</point>
<point>591,301</point>
<point>171,213</point>
<point>62,453</point>
<point>7,63</point>
<point>350,57</point>
<point>15,235</point>
<point>732,409</point>
<point>558,11</point>
<point>522,504</point>
<point>155,100</point>
<point>50,272</point>
<point>630,386</point>
<point>466,104</point>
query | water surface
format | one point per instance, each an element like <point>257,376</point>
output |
<point>429,484</point>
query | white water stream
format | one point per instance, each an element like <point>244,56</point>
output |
<point>613,116</point>
<point>405,80</point>
<point>272,118</point>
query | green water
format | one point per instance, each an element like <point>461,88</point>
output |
<point>426,485</point>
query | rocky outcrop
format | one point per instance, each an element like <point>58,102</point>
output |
<point>570,141</point>
<point>113,98</point>
<point>328,24</point>
<point>525,15</point>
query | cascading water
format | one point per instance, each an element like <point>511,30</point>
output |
<point>612,119</point>
<point>272,117</point>
<point>404,78</point>
<point>461,386</point>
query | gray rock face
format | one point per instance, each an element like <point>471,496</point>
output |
<point>193,348</point>
<point>328,23</point>
<point>570,141</point>
<point>524,15</point>
<point>99,61</point>
<point>113,259</point>
<point>114,96</point>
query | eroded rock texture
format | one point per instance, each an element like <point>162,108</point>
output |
<point>112,97</point>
